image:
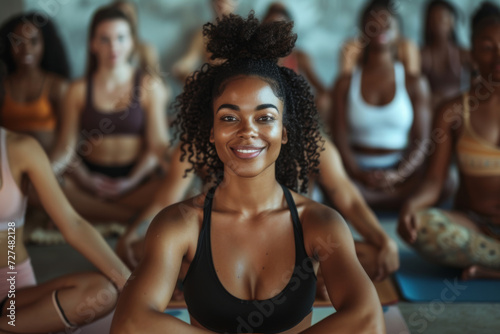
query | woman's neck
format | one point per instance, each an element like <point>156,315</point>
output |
<point>249,196</point>
<point>27,72</point>
<point>440,42</point>
<point>117,74</point>
<point>379,58</point>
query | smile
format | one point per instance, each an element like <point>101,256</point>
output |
<point>246,153</point>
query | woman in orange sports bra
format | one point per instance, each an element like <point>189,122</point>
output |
<point>37,70</point>
<point>469,127</point>
<point>114,126</point>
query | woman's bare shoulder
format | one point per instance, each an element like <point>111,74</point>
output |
<point>314,214</point>
<point>182,217</point>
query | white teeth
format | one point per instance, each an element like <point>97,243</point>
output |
<point>248,151</point>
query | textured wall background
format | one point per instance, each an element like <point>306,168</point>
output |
<point>322,25</point>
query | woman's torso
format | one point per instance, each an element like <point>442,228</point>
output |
<point>477,149</point>
<point>113,121</point>
<point>446,72</point>
<point>12,204</point>
<point>379,111</point>
<point>250,256</point>
<point>27,107</point>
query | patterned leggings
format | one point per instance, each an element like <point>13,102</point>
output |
<point>446,242</point>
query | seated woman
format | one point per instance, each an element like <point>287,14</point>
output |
<point>114,125</point>
<point>445,64</point>
<point>298,60</point>
<point>352,51</point>
<point>469,127</point>
<point>257,140</point>
<point>34,88</point>
<point>381,119</point>
<point>62,302</point>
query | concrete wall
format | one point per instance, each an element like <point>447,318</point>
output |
<point>322,25</point>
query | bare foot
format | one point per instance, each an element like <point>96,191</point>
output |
<point>475,272</point>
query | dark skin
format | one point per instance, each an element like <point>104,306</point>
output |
<point>384,188</point>
<point>478,194</point>
<point>248,117</point>
<point>377,253</point>
<point>28,80</point>
<point>442,55</point>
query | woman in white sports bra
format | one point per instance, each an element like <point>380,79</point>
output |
<point>381,117</point>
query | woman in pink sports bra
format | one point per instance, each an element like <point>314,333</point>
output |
<point>468,127</point>
<point>114,126</point>
<point>61,302</point>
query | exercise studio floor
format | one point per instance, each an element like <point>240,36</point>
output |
<point>428,318</point>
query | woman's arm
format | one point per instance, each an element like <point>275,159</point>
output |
<point>306,66</point>
<point>409,55</point>
<point>446,121</point>
<point>348,200</point>
<point>58,91</point>
<point>172,190</point>
<point>415,157</point>
<point>188,62</point>
<point>340,126</point>
<point>148,291</point>
<point>351,292</point>
<point>349,55</point>
<point>77,231</point>
<point>66,146</point>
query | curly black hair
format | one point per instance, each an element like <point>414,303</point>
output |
<point>247,47</point>
<point>54,57</point>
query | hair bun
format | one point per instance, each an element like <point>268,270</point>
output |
<point>234,37</point>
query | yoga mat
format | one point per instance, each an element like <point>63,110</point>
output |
<point>422,281</point>
<point>394,321</point>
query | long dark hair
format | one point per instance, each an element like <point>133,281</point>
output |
<point>106,13</point>
<point>54,57</point>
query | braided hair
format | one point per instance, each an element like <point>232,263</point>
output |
<point>246,47</point>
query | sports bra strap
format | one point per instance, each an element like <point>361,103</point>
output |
<point>291,206</point>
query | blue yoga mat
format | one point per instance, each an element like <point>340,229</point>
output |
<point>422,281</point>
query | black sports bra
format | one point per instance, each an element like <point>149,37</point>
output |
<point>217,310</point>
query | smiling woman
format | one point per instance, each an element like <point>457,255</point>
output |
<point>249,250</point>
